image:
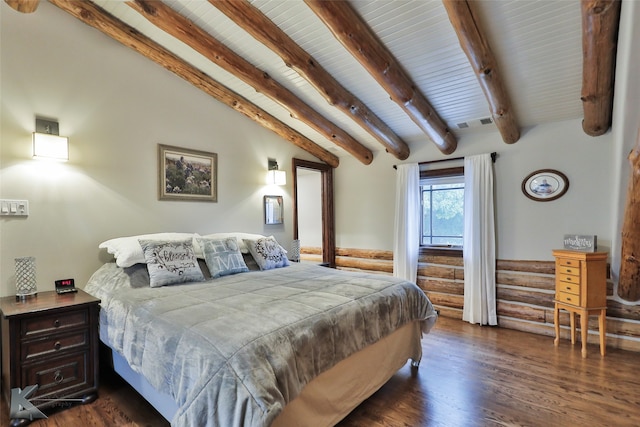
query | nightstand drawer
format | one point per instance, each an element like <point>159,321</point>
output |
<point>59,375</point>
<point>568,298</point>
<point>54,344</point>
<point>52,323</point>
<point>567,262</point>
<point>572,288</point>
<point>563,269</point>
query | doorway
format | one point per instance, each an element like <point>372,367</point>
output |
<point>314,208</point>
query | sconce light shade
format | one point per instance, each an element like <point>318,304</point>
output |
<point>50,146</point>
<point>275,176</point>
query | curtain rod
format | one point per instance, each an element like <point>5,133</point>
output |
<point>494,155</point>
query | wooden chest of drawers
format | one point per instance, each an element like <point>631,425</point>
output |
<point>581,287</point>
<point>51,341</point>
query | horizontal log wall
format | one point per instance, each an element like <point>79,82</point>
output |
<point>524,289</point>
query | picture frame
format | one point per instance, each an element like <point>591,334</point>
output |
<point>273,210</point>
<point>545,185</point>
<point>186,174</point>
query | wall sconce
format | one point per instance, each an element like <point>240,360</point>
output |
<point>47,144</point>
<point>275,176</point>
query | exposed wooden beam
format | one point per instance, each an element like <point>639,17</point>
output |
<point>475,45</point>
<point>358,38</point>
<point>98,18</point>
<point>186,31</point>
<point>250,19</point>
<point>600,21</point>
<point>629,279</point>
<point>24,6</point>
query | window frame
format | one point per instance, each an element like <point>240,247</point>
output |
<point>433,250</point>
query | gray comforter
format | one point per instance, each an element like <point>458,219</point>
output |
<point>234,350</point>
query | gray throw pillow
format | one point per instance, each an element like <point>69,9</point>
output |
<point>223,256</point>
<point>171,262</point>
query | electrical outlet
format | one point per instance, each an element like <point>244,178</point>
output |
<point>10,207</point>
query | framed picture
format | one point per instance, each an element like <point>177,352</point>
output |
<point>545,185</point>
<point>273,209</point>
<point>186,174</point>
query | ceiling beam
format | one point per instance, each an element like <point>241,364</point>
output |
<point>358,38</point>
<point>186,31</point>
<point>475,45</point>
<point>250,19</point>
<point>600,21</point>
<point>24,6</point>
<point>96,17</point>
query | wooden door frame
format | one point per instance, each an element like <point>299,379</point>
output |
<point>328,216</point>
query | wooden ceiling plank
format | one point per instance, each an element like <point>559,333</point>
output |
<point>472,39</point>
<point>358,38</point>
<point>254,22</point>
<point>23,6</point>
<point>96,17</point>
<point>600,21</point>
<point>186,31</point>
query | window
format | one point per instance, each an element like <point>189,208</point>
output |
<point>442,204</point>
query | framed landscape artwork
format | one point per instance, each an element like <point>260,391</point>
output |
<point>186,174</point>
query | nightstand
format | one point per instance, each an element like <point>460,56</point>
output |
<point>50,340</point>
<point>581,287</point>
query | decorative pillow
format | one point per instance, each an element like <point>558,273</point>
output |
<point>127,250</point>
<point>238,235</point>
<point>267,253</point>
<point>223,257</point>
<point>170,262</point>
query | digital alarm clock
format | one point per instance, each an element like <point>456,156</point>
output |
<point>65,285</point>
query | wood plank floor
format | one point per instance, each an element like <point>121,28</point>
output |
<point>469,376</point>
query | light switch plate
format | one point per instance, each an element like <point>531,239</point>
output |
<point>10,207</point>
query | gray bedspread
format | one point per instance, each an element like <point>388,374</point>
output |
<point>234,350</point>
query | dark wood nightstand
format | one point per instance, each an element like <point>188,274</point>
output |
<point>50,340</point>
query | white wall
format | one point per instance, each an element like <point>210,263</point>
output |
<point>116,107</point>
<point>526,230</point>
<point>309,207</point>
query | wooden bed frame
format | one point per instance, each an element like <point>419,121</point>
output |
<point>329,397</point>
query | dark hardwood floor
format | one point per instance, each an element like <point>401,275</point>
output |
<point>469,376</point>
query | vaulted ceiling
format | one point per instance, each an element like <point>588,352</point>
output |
<point>352,78</point>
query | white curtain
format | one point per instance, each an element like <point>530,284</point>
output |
<point>407,222</point>
<point>479,242</point>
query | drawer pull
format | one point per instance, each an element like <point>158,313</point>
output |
<point>568,288</point>
<point>569,270</point>
<point>57,345</point>
<point>568,279</point>
<point>58,377</point>
<point>568,299</point>
<point>56,323</point>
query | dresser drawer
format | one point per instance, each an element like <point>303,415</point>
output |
<point>568,298</point>
<point>568,278</point>
<point>571,288</point>
<point>573,271</point>
<point>58,376</point>
<point>51,345</point>
<point>54,322</point>
<point>568,262</point>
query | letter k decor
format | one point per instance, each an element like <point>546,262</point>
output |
<point>21,407</point>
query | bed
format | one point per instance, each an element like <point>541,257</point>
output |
<point>297,344</point>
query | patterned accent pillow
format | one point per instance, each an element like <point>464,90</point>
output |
<point>170,262</point>
<point>223,256</point>
<point>267,253</point>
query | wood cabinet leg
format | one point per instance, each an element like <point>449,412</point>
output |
<point>603,331</point>
<point>556,324</point>
<point>584,331</point>
<point>572,321</point>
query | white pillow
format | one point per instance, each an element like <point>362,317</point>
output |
<point>238,235</point>
<point>127,250</point>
